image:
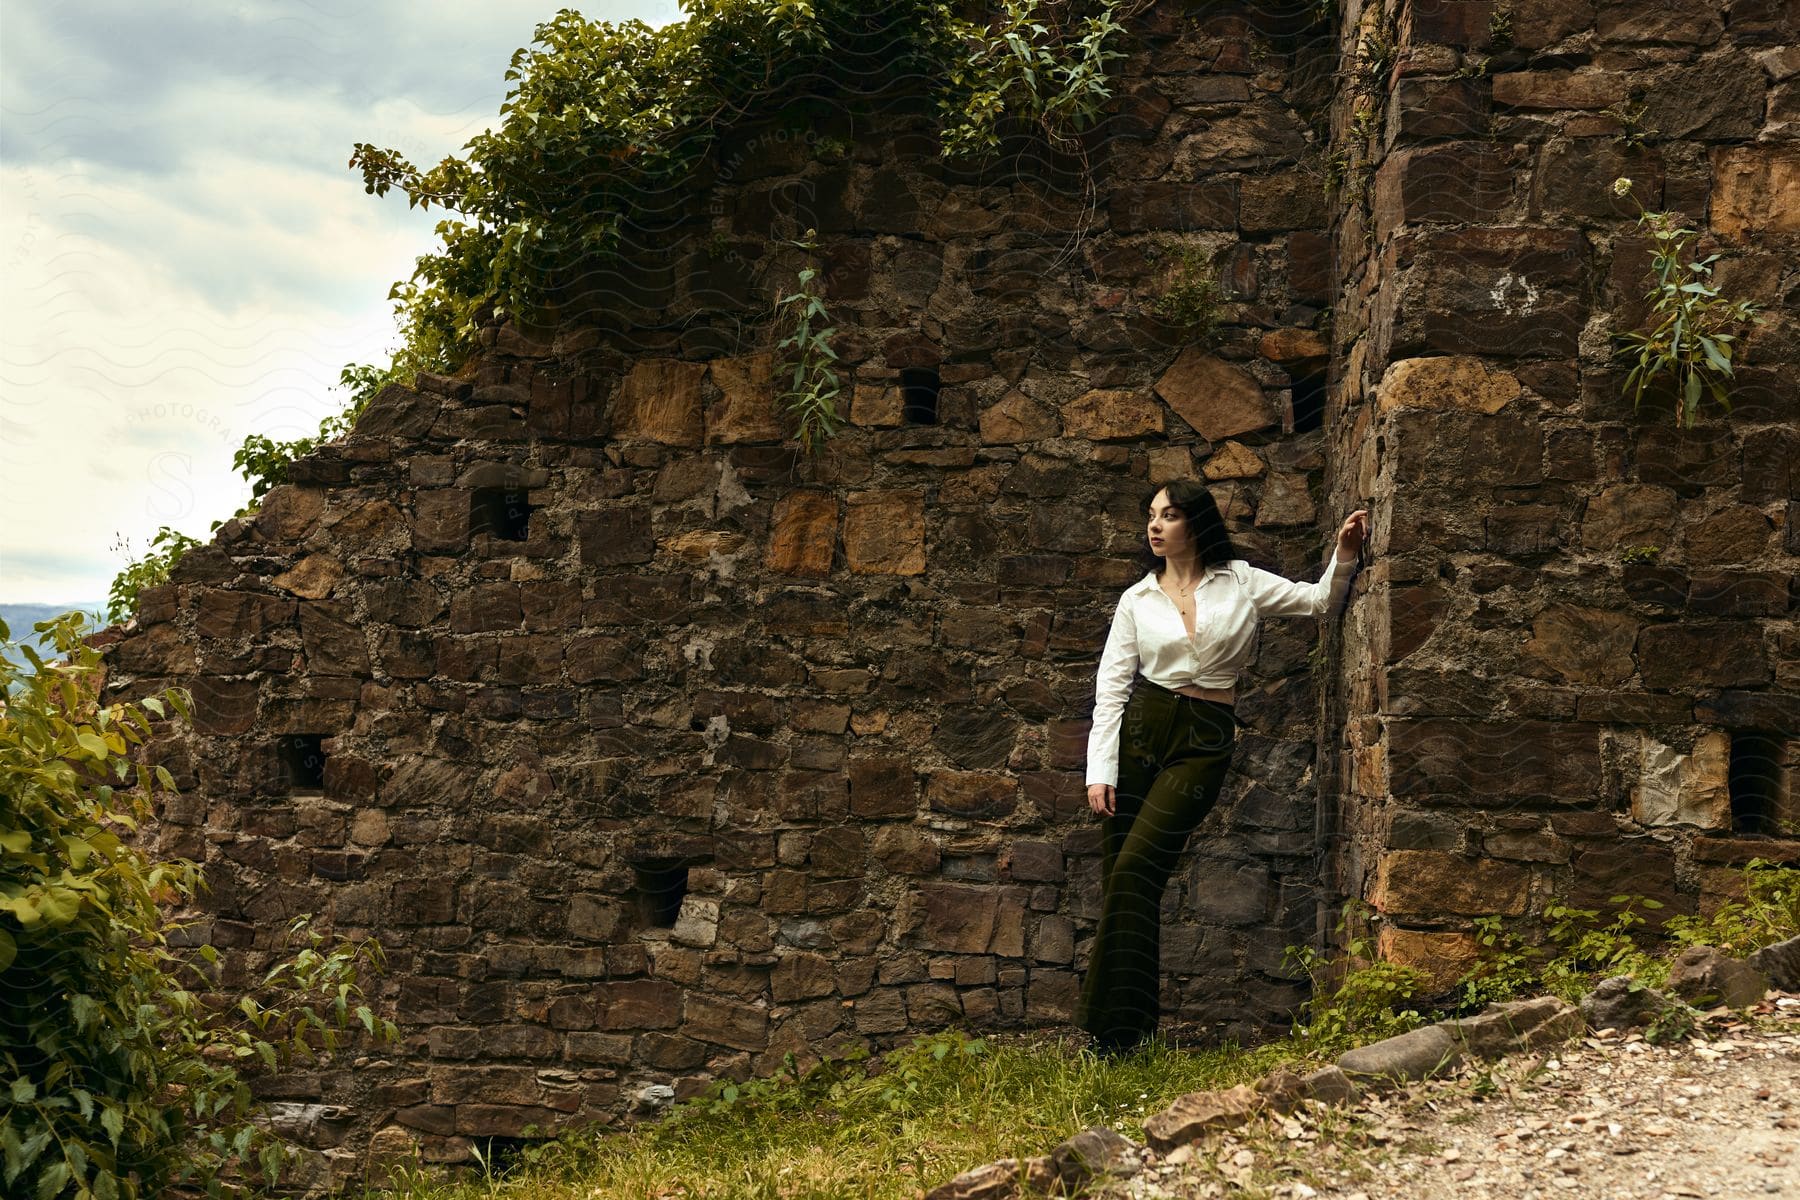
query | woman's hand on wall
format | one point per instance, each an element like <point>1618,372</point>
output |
<point>1101,799</point>
<point>1351,534</point>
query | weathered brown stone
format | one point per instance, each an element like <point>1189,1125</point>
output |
<point>1447,382</point>
<point>1442,183</point>
<point>971,793</point>
<point>1628,514</point>
<point>1285,501</point>
<point>312,578</point>
<point>1196,1114</point>
<point>877,406</point>
<point>1111,415</point>
<point>745,410</point>
<point>1444,957</point>
<point>804,535</point>
<point>1735,534</point>
<point>1292,345</point>
<point>953,918</point>
<point>883,787</point>
<point>1519,758</point>
<point>1423,882</point>
<point>659,401</point>
<point>638,1004</point>
<point>1691,654</point>
<point>884,532</point>
<point>1584,645</point>
<point>723,1023</point>
<point>1558,89</point>
<point>905,850</point>
<point>1233,460</point>
<point>1217,398</point>
<point>1017,418</point>
<point>1756,190</point>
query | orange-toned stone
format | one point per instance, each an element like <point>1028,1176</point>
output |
<point>700,545</point>
<point>1444,957</point>
<point>312,577</point>
<point>1447,382</point>
<point>1292,345</point>
<point>876,405</point>
<point>1110,414</point>
<point>659,401</point>
<point>745,410</point>
<point>1017,418</point>
<point>1218,399</point>
<point>1233,460</point>
<point>884,532</point>
<point>805,533</point>
<point>1437,882</point>
<point>1756,189</point>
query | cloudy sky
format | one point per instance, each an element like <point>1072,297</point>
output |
<point>185,258</point>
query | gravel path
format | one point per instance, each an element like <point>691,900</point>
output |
<point>1606,1117</point>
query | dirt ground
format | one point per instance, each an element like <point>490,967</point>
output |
<point>1605,1117</point>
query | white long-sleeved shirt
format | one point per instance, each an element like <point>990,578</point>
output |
<point>1149,638</point>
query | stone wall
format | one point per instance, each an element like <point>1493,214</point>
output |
<point>1573,668</point>
<point>654,751</point>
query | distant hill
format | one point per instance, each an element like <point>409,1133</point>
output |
<point>20,618</point>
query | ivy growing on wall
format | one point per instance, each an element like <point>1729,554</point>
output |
<point>604,121</point>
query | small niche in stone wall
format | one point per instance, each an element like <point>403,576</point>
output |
<point>1309,401</point>
<point>302,759</point>
<point>658,894</point>
<point>919,395</point>
<point>1755,778</point>
<point>502,512</point>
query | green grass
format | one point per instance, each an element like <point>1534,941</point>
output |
<point>936,1108</point>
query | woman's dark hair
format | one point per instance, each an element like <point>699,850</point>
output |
<point>1205,524</point>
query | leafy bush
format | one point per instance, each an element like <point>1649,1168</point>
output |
<point>1768,913</point>
<point>1356,997</point>
<point>604,120</point>
<point>122,1071</point>
<point>166,549</point>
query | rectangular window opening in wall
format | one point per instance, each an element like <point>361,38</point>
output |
<point>919,395</point>
<point>1755,781</point>
<point>659,893</point>
<point>302,758</point>
<point>1309,401</point>
<point>501,511</point>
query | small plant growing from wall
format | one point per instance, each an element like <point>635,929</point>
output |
<point>1688,346</point>
<point>1191,299</point>
<point>811,395</point>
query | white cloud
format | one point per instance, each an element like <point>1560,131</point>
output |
<point>187,258</point>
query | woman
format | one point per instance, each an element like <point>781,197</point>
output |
<point>1155,764</point>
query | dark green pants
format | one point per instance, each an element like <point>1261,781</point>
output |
<point>1173,754</point>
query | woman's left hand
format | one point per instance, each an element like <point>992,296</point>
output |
<point>1352,532</point>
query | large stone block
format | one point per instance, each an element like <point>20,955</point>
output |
<point>659,401</point>
<point>1444,957</point>
<point>1433,883</point>
<point>1111,414</point>
<point>1518,759</point>
<point>1447,382</point>
<point>1756,190</point>
<point>1217,398</point>
<point>1583,645</point>
<point>1629,514</point>
<point>1694,654</point>
<point>745,410</point>
<point>1674,788</point>
<point>1467,183</point>
<point>884,532</point>
<point>804,534</point>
